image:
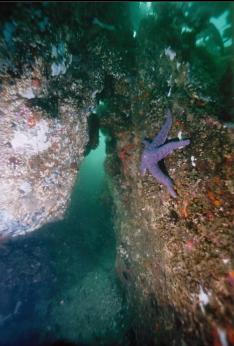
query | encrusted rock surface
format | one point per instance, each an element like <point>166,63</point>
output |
<point>46,96</point>
<point>174,255</point>
<point>39,158</point>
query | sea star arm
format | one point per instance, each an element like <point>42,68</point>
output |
<point>162,135</point>
<point>168,148</point>
<point>163,179</point>
<point>146,143</point>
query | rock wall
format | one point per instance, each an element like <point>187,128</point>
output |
<point>174,255</point>
<point>40,156</point>
<point>46,96</point>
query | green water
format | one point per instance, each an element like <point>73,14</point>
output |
<point>62,277</point>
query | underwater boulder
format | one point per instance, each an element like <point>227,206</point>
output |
<point>40,156</point>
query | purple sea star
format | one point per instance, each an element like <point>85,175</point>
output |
<point>157,150</point>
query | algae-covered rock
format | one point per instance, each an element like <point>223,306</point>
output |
<point>175,255</point>
<point>40,156</point>
<point>45,101</point>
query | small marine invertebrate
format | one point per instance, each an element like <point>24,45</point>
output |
<point>184,209</point>
<point>214,199</point>
<point>230,278</point>
<point>31,121</point>
<point>157,150</point>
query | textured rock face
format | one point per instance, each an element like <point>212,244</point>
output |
<point>45,99</point>
<point>40,156</point>
<point>174,256</point>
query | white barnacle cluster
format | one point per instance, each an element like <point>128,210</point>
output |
<point>171,54</point>
<point>193,161</point>
<point>62,59</point>
<point>28,93</point>
<point>203,299</point>
<point>169,92</point>
<point>32,141</point>
<point>123,252</point>
<point>179,135</point>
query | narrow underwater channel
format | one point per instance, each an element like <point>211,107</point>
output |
<point>58,284</point>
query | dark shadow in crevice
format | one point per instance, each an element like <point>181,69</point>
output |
<point>93,128</point>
